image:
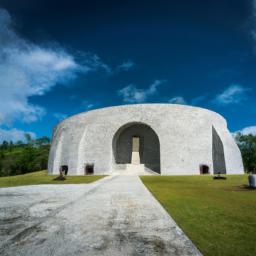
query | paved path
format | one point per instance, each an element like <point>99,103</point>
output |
<point>113,216</point>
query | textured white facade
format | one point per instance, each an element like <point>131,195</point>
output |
<point>176,139</point>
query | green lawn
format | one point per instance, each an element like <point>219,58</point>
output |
<point>41,177</point>
<point>219,216</point>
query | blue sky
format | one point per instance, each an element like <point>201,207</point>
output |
<point>59,58</point>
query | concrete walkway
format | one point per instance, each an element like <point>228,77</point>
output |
<point>113,216</point>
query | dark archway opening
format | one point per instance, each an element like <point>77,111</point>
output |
<point>204,169</point>
<point>149,149</point>
<point>89,169</point>
<point>64,169</point>
<point>218,156</point>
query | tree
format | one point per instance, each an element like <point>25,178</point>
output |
<point>28,138</point>
<point>11,146</point>
<point>5,145</point>
<point>19,143</point>
<point>42,141</point>
<point>247,145</point>
<point>25,162</point>
<point>1,166</point>
<point>1,154</point>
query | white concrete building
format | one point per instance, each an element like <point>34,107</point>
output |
<point>165,139</point>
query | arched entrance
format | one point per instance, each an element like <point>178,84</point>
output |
<point>137,143</point>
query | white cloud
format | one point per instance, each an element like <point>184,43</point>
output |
<point>198,99</point>
<point>60,116</point>
<point>28,69</point>
<point>87,105</point>
<point>234,94</point>
<point>178,100</point>
<point>181,100</point>
<point>92,62</point>
<point>247,130</point>
<point>126,65</point>
<point>14,135</point>
<point>132,94</point>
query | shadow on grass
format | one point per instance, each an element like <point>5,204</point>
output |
<point>247,187</point>
<point>240,188</point>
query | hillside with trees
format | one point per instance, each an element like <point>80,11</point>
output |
<point>19,158</point>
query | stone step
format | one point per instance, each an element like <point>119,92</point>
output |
<point>135,167</point>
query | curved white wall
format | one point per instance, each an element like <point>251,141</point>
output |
<point>184,132</point>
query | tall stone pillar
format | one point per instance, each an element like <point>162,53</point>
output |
<point>135,150</point>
